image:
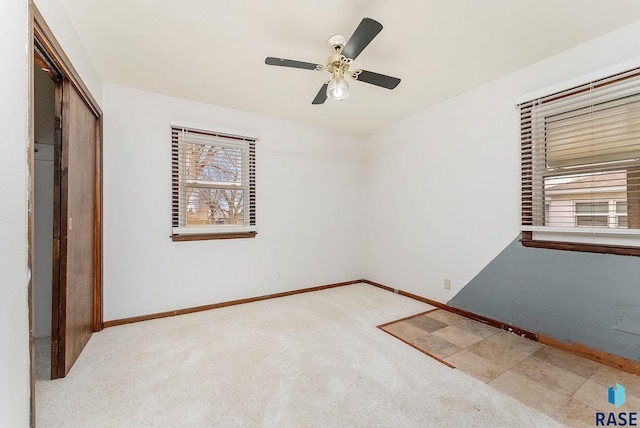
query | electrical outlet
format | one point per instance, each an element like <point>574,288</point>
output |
<point>278,275</point>
<point>447,284</point>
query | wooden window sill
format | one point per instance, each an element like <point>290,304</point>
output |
<point>528,241</point>
<point>210,236</point>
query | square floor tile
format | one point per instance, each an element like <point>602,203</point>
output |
<point>529,392</point>
<point>478,328</point>
<point>435,346</point>
<point>576,414</point>
<point>476,366</point>
<point>596,395</point>
<point>564,360</point>
<point>457,337</point>
<point>513,341</point>
<point>607,376</point>
<point>560,380</point>
<point>426,323</point>
<point>506,357</point>
<point>446,317</point>
<point>404,330</point>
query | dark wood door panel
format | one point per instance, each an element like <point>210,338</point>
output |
<point>76,308</point>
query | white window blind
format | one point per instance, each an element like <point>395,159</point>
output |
<point>581,158</point>
<point>213,182</point>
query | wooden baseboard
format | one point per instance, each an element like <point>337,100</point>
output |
<point>140,318</point>
<point>583,351</point>
<point>592,354</point>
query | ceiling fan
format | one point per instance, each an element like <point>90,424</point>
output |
<point>339,62</point>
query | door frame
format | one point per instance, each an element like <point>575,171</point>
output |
<point>40,30</point>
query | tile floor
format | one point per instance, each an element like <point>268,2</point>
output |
<point>564,386</point>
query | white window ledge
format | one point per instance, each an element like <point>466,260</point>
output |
<point>586,235</point>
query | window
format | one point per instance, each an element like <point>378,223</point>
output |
<point>213,184</point>
<point>611,214</point>
<point>580,160</point>
<point>592,214</point>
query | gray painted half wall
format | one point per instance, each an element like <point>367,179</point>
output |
<point>591,299</point>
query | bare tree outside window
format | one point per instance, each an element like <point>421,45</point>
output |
<point>213,172</point>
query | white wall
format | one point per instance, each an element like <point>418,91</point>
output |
<point>14,336</point>
<point>308,210</point>
<point>441,188</point>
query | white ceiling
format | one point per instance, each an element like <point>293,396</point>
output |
<point>213,51</point>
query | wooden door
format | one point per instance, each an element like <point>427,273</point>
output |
<point>73,301</point>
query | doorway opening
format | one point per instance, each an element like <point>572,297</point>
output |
<point>45,81</point>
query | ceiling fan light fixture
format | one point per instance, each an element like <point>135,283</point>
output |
<point>338,89</point>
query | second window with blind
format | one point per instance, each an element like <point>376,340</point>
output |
<point>580,159</point>
<point>213,183</point>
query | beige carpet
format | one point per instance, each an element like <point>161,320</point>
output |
<point>309,360</point>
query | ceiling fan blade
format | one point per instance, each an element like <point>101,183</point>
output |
<point>366,31</point>
<point>322,95</point>
<point>378,79</point>
<point>291,63</point>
